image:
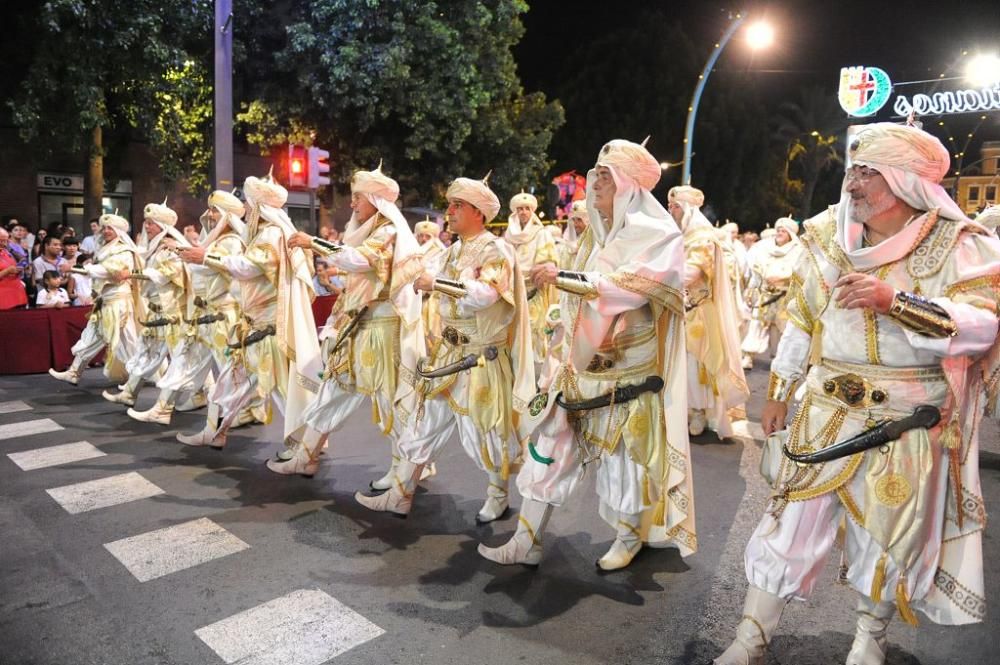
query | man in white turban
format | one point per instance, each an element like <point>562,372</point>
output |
<point>433,250</point>
<point>990,218</point>
<point>715,377</point>
<point>112,321</point>
<point>909,501</point>
<point>163,282</point>
<point>534,246</point>
<point>210,312</point>
<point>374,336</point>
<point>618,403</point>
<point>579,220</point>
<point>480,376</point>
<point>275,361</point>
<point>774,265</point>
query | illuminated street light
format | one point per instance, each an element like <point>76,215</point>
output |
<point>760,35</point>
<point>983,70</point>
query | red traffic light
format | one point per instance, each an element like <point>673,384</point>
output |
<point>297,167</point>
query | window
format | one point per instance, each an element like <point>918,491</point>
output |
<point>991,193</point>
<point>973,192</point>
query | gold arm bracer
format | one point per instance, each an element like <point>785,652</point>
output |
<point>921,316</point>
<point>780,389</point>
<point>450,287</point>
<point>576,283</point>
<point>214,261</point>
<point>324,247</point>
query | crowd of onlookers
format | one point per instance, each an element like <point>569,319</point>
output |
<point>35,269</point>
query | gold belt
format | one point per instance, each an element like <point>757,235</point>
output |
<point>854,385</point>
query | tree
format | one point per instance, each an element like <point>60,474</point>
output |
<point>106,65</point>
<point>810,131</point>
<point>431,88</point>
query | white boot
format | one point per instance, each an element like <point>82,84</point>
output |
<point>399,499</point>
<point>71,375</point>
<point>747,361</point>
<point>127,395</point>
<point>305,460</point>
<point>761,613</point>
<point>387,480</point>
<point>870,642</point>
<point>160,413</point>
<point>192,402</point>
<point>696,421</point>
<point>246,417</point>
<point>496,503</point>
<point>627,544</point>
<point>210,433</point>
<point>525,546</point>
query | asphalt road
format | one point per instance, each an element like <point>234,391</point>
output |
<point>170,555</point>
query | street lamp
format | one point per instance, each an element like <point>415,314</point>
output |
<point>759,35</point>
<point>983,70</point>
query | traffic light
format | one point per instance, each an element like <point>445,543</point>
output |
<point>317,167</point>
<point>298,167</point>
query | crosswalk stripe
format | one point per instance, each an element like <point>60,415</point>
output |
<point>164,551</point>
<point>28,427</point>
<point>13,407</point>
<point>104,492</point>
<point>305,627</point>
<point>39,458</point>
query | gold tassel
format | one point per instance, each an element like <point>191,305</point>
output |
<point>660,514</point>
<point>645,491</point>
<point>878,581</point>
<point>816,344</point>
<point>903,603</point>
<point>951,437</point>
<point>702,375</point>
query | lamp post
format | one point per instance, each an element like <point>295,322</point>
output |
<point>760,36</point>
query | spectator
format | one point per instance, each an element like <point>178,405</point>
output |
<point>71,247</point>
<point>53,295</point>
<point>83,284</point>
<point>324,232</point>
<point>90,243</point>
<point>334,235</point>
<point>20,249</point>
<point>36,249</point>
<point>12,292</point>
<point>29,238</point>
<point>321,282</point>
<point>50,259</point>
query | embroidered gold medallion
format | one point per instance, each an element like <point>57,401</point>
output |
<point>638,425</point>
<point>368,358</point>
<point>892,490</point>
<point>483,395</point>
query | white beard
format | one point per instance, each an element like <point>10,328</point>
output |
<point>863,209</point>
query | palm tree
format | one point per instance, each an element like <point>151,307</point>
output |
<point>809,130</point>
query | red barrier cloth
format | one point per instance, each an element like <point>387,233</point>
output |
<point>33,340</point>
<point>321,309</point>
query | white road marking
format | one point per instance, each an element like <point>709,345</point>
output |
<point>28,427</point>
<point>102,493</point>
<point>305,627</point>
<point>39,458</point>
<point>164,551</point>
<point>13,407</point>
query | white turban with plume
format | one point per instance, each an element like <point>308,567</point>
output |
<point>788,224</point>
<point>231,211</point>
<point>476,193</point>
<point>428,227</point>
<point>686,195</point>
<point>767,233</point>
<point>990,218</point>
<point>912,163</point>
<point>730,228</point>
<point>166,219</point>
<point>524,199</point>
<point>121,227</point>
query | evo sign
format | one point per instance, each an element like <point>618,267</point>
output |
<point>66,183</point>
<point>865,90</point>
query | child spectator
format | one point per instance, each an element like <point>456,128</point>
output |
<point>52,295</point>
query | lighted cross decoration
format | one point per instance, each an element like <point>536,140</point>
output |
<point>863,86</point>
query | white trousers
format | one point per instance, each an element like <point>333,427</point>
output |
<point>421,441</point>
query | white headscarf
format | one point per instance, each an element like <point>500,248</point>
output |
<point>166,219</point>
<point>912,163</point>
<point>231,211</point>
<point>476,193</point>
<point>121,226</point>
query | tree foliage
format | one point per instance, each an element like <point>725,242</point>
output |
<point>430,87</point>
<point>121,65</point>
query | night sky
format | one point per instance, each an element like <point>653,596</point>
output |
<point>909,40</point>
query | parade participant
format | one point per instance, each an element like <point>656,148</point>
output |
<point>112,322</point>
<point>715,377</point>
<point>210,312</point>
<point>877,353</point>
<point>735,256</point>
<point>163,281</point>
<point>578,222</point>
<point>12,293</point>
<point>274,353</point>
<point>619,397</point>
<point>534,246</point>
<point>769,287</point>
<point>990,218</point>
<point>431,247</point>
<point>480,375</point>
<point>374,336</point>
